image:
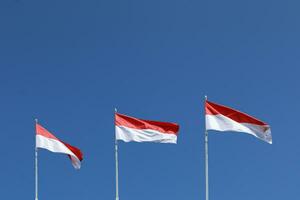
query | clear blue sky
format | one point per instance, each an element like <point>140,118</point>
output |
<point>70,62</point>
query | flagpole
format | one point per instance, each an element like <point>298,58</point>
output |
<point>117,164</point>
<point>206,159</point>
<point>36,167</point>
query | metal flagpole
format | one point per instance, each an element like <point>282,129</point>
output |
<point>117,164</point>
<point>36,168</point>
<point>206,158</point>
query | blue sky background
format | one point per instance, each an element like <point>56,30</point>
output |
<point>69,63</point>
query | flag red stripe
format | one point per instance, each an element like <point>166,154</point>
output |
<point>216,109</point>
<point>44,132</point>
<point>131,122</point>
<point>75,150</point>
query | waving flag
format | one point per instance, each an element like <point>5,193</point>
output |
<point>221,118</point>
<point>46,140</point>
<point>138,130</point>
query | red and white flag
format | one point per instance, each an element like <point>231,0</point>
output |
<point>138,130</point>
<point>222,118</point>
<point>46,140</point>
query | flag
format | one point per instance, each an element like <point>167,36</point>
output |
<point>138,130</point>
<point>222,118</point>
<point>46,140</point>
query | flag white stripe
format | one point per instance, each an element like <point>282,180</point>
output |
<point>57,147</point>
<point>143,135</point>
<point>223,123</point>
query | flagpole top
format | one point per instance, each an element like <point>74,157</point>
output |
<point>205,96</point>
<point>116,110</point>
<point>36,120</point>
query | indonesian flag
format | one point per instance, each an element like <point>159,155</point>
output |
<point>221,118</point>
<point>46,140</point>
<point>138,130</point>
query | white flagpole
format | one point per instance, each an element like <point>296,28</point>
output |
<point>117,164</point>
<point>36,168</point>
<point>206,158</point>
